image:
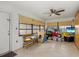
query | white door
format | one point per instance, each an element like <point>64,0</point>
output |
<point>4,33</point>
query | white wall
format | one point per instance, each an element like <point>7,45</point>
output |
<point>14,17</point>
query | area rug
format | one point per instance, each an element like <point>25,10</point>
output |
<point>10,54</point>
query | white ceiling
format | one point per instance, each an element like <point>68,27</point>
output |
<point>39,8</point>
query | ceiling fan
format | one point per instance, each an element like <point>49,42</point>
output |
<point>53,11</point>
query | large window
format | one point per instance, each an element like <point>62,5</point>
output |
<point>35,28</point>
<point>22,26</point>
<point>30,29</point>
<point>25,29</point>
<point>42,28</point>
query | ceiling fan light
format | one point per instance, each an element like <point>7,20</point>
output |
<point>52,14</point>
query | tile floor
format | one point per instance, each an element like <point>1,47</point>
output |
<point>50,49</point>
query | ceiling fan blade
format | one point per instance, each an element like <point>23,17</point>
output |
<point>57,14</point>
<point>51,10</point>
<point>60,10</point>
